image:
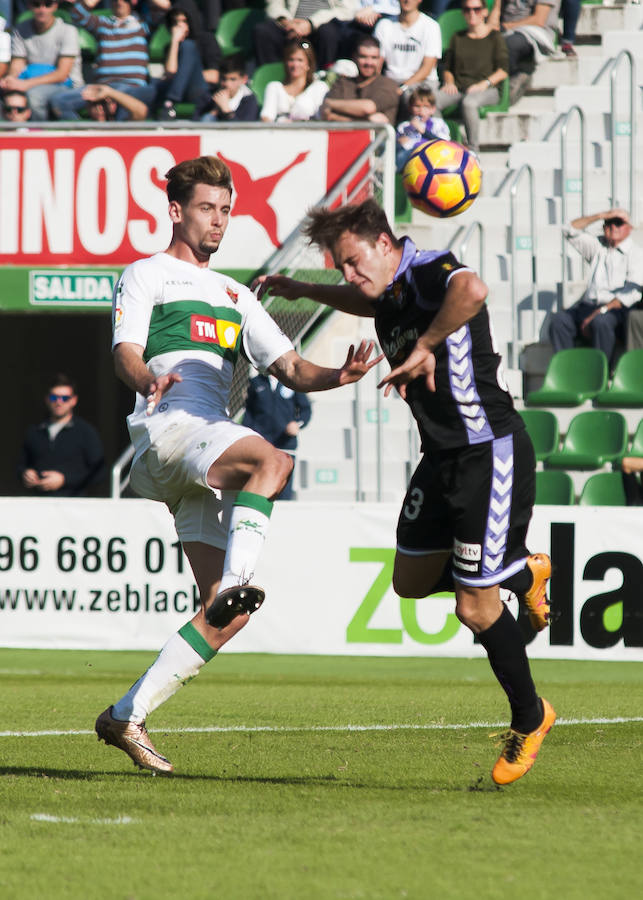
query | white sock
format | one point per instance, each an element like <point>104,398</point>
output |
<point>248,529</point>
<point>178,662</point>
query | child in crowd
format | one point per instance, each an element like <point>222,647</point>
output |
<point>423,125</point>
<point>232,100</point>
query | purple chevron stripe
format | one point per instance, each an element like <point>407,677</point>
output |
<point>499,517</point>
<point>463,387</point>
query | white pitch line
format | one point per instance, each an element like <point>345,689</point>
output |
<point>71,820</point>
<point>283,729</point>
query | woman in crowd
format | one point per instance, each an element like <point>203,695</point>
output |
<point>475,63</point>
<point>299,96</point>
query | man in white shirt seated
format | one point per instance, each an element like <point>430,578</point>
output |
<point>614,283</point>
<point>411,46</point>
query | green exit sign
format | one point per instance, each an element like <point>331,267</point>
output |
<point>53,287</point>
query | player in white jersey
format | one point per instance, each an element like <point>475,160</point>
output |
<point>178,330</point>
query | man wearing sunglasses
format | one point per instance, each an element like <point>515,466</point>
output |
<point>45,57</point>
<point>15,107</point>
<point>63,455</point>
<point>613,286</point>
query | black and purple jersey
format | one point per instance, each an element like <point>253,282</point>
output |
<point>471,404</point>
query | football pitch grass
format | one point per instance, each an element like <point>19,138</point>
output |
<point>317,777</point>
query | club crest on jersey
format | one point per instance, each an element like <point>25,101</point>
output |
<point>205,330</point>
<point>232,294</point>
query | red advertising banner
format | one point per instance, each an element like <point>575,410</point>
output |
<point>88,198</point>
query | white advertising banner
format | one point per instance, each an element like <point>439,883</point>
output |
<point>110,574</point>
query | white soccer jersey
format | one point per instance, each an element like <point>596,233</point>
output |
<point>404,49</point>
<point>193,321</point>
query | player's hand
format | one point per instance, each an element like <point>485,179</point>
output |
<point>357,362</point>
<point>280,285</point>
<point>51,481</point>
<point>158,388</point>
<point>420,362</point>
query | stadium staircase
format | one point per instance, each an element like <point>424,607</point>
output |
<point>359,446</point>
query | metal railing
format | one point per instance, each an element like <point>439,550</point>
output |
<point>459,244</point>
<point>529,243</point>
<point>118,483</point>
<point>573,110</point>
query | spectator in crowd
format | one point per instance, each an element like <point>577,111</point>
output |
<point>186,62</point>
<point>63,455</point>
<point>122,58</point>
<point>348,31</point>
<point>105,104</point>
<point>318,21</point>
<point>45,58</point>
<point>614,283</point>
<point>423,125</point>
<point>569,11</point>
<point>231,100</point>
<point>368,96</point>
<point>631,470</point>
<point>410,46</point>
<point>475,63</point>
<point>5,44</point>
<point>15,106</point>
<point>210,10</point>
<point>300,95</point>
<point>529,28</point>
<point>277,413</point>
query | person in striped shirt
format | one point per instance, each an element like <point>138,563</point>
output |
<point>122,57</point>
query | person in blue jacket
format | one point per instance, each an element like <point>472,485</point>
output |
<point>277,413</point>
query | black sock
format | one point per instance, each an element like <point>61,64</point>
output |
<point>505,648</point>
<point>520,582</point>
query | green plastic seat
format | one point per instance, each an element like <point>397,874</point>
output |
<point>554,488</point>
<point>572,377</point>
<point>594,438</point>
<point>158,44</point>
<point>503,103</point>
<point>542,428</point>
<point>273,71</point>
<point>626,388</point>
<point>403,208</point>
<point>636,447</point>
<point>603,489</point>
<point>450,22</point>
<point>235,30</point>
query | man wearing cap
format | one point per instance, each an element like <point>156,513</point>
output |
<point>614,284</point>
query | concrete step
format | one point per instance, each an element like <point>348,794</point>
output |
<point>598,20</point>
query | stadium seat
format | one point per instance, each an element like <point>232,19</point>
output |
<point>273,71</point>
<point>235,31</point>
<point>594,438</point>
<point>603,489</point>
<point>572,377</point>
<point>503,103</point>
<point>626,388</point>
<point>542,428</point>
<point>403,209</point>
<point>636,447</point>
<point>450,21</point>
<point>554,488</point>
<point>158,44</point>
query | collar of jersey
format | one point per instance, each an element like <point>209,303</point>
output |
<point>412,257</point>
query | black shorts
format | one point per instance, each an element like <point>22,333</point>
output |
<point>476,503</point>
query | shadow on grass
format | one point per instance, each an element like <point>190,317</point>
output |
<point>480,785</point>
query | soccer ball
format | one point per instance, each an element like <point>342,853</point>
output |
<point>442,178</point>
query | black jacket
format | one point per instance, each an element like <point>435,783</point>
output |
<point>76,451</point>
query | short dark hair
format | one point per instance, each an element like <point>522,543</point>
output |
<point>233,63</point>
<point>14,92</point>
<point>420,93</point>
<point>367,40</point>
<point>367,220</point>
<point>62,380</point>
<point>184,177</point>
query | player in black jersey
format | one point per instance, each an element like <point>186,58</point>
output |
<point>464,519</point>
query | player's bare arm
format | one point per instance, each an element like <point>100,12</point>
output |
<point>302,375</point>
<point>342,297</point>
<point>464,296</point>
<point>131,369</point>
